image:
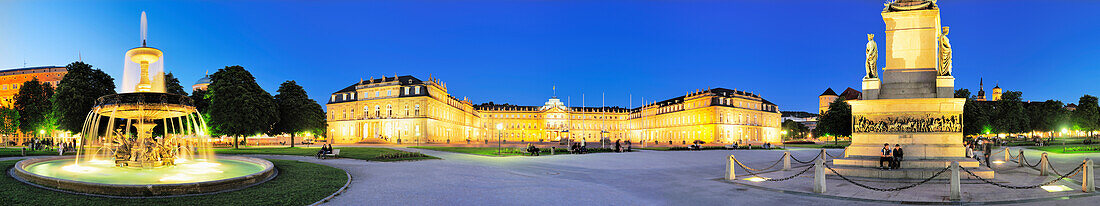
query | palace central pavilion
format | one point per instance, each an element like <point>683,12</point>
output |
<point>405,109</point>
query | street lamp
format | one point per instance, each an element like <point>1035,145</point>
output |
<point>500,126</point>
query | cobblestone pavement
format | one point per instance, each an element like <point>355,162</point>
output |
<point>636,178</point>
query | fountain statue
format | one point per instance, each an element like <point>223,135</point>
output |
<point>144,141</point>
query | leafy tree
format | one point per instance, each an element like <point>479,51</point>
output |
<point>837,121</point>
<point>238,106</point>
<point>1010,113</point>
<point>9,121</point>
<point>33,104</point>
<point>962,93</point>
<point>77,93</point>
<point>977,118</point>
<point>297,112</point>
<point>1047,116</point>
<point>794,129</point>
<point>1087,115</point>
<point>172,85</point>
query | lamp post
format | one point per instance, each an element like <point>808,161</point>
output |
<point>500,126</point>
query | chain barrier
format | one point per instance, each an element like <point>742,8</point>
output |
<point>888,189</point>
<point>1071,173</point>
<point>1029,164</point>
<point>792,176</point>
<point>804,162</point>
<point>748,168</point>
<point>834,156</point>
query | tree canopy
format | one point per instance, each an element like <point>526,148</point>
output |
<point>77,93</point>
<point>297,112</point>
<point>1087,115</point>
<point>1011,116</point>
<point>238,106</point>
<point>794,129</point>
<point>33,104</point>
<point>9,121</point>
<point>172,85</point>
<point>837,121</point>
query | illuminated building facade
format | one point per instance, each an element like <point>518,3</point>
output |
<point>12,79</point>
<point>405,109</point>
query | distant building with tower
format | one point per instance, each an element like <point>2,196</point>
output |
<point>829,96</point>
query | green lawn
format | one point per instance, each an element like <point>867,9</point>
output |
<point>1069,148</point>
<point>298,183</point>
<point>15,152</point>
<point>363,153</point>
<point>505,151</point>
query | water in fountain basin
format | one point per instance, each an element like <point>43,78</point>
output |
<point>106,172</point>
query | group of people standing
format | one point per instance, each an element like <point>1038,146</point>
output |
<point>892,156</point>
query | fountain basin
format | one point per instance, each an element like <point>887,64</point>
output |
<point>196,177</point>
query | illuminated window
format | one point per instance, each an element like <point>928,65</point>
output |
<point>417,90</point>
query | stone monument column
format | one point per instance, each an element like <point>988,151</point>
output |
<point>914,106</point>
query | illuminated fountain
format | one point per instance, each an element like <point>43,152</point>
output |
<point>144,142</point>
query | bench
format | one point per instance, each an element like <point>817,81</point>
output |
<point>335,153</point>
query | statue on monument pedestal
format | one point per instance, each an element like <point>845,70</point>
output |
<point>945,54</point>
<point>871,64</point>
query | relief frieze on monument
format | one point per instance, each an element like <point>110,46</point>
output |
<point>906,123</point>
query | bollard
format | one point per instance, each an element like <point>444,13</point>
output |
<point>552,150</point>
<point>786,161</point>
<point>1088,182</point>
<point>1043,164</point>
<point>731,174</point>
<point>23,151</point>
<point>1020,159</point>
<point>1007,156</point>
<point>956,188</point>
<point>823,154</point>
<point>819,176</point>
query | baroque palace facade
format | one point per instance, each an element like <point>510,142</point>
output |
<point>404,109</point>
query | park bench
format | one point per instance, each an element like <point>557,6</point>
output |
<point>335,153</point>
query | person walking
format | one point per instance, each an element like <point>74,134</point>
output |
<point>988,147</point>
<point>885,156</point>
<point>898,154</point>
<point>618,146</point>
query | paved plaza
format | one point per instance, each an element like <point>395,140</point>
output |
<point>642,178</point>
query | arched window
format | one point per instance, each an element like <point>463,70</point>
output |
<point>406,109</point>
<point>417,108</point>
<point>377,111</point>
<point>366,111</point>
<point>389,110</point>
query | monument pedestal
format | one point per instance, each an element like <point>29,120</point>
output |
<point>928,129</point>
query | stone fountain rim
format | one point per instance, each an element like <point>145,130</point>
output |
<point>19,173</point>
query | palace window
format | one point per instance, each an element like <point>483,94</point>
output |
<point>417,111</point>
<point>389,110</point>
<point>417,90</point>
<point>366,111</point>
<point>406,90</point>
<point>377,94</point>
<point>406,110</point>
<point>389,93</point>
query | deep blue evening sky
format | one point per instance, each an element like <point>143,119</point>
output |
<point>514,51</point>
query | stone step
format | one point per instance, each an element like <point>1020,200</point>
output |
<point>868,161</point>
<point>907,173</point>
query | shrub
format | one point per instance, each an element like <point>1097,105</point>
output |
<point>799,142</point>
<point>399,155</point>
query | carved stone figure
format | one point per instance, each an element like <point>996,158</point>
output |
<point>871,64</point>
<point>945,54</point>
